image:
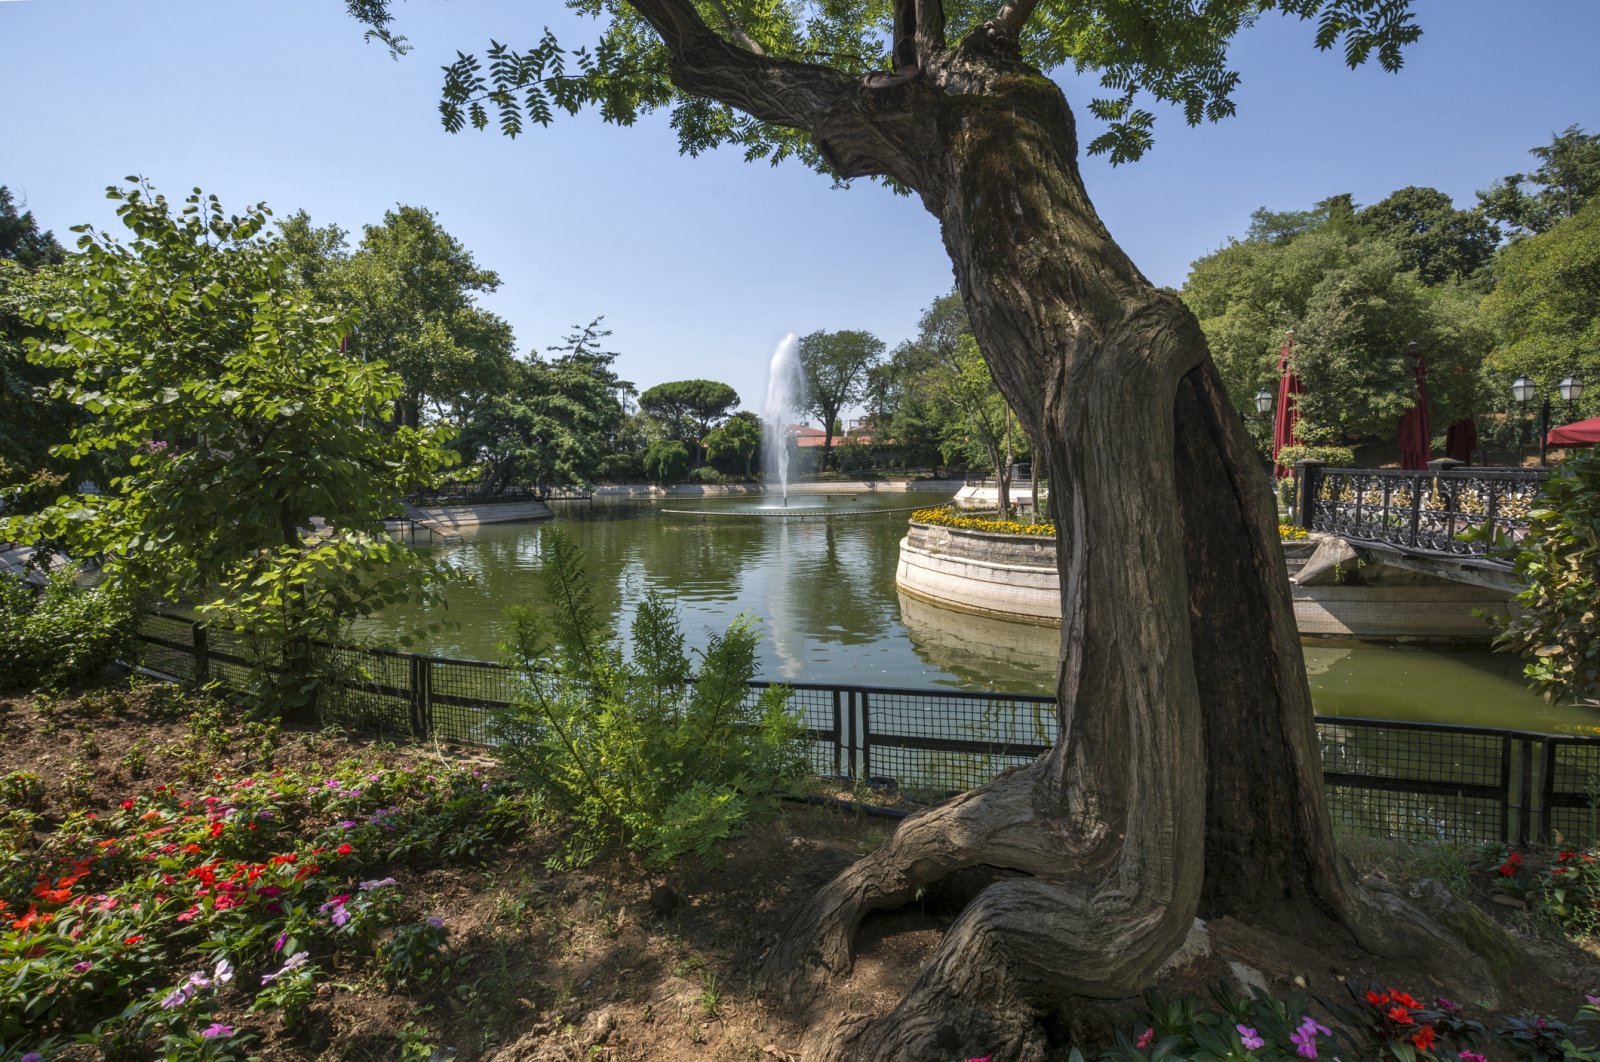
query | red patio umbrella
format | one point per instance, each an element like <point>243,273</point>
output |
<point>1415,431</point>
<point>1579,433</point>
<point>1460,439</point>
<point>1286,417</point>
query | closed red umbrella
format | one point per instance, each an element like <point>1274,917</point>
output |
<point>1286,418</point>
<point>1416,433</point>
<point>1580,433</point>
<point>1461,439</point>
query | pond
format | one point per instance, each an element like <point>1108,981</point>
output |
<point>824,595</point>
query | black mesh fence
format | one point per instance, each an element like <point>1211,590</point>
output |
<point>1412,781</point>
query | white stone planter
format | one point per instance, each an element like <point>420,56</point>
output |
<point>1014,577</point>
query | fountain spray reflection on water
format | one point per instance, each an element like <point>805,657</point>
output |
<point>786,388</point>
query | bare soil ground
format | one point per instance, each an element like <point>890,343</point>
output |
<point>616,963</point>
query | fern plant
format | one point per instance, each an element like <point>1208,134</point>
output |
<point>640,749</point>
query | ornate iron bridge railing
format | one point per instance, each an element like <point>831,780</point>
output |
<point>1477,513</point>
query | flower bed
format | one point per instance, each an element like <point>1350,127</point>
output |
<point>945,516</point>
<point>188,916</point>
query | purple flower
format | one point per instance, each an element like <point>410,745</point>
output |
<point>82,967</point>
<point>277,945</point>
<point>224,971</point>
<point>333,783</point>
<point>1305,1037</point>
<point>1249,1037</point>
<point>31,1056</point>
<point>216,1029</point>
<point>1472,1056</point>
<point>347,824</point>
<point>294,962</point>
<point>197,980</point>
<point>376,883</point>
<point>176,998</point>
<point>436,922</point>
<point>1594,1001</point>
<point>1447,1006</point>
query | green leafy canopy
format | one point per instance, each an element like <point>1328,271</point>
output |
<point>251,463</point>
<point>1166,51</point>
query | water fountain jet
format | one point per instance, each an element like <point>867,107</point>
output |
<point>785,396</point>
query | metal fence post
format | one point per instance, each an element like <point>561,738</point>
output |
<point>421,696</point>
<point>866,736</point>
<point>1525,795</point>
<point>1547,790</point>
<point>202,653</point>
<point>1307,473</point>
<point>838,736</point>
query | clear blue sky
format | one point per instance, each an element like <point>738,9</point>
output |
<point>700,266</point>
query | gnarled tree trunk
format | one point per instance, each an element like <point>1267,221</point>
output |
<point>1186,776</point>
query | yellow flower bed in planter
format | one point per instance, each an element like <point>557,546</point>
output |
<point>947,517</point>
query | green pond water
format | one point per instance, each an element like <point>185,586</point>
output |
<point>823,593</point>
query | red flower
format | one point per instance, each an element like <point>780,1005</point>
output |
<point>1506,870</point>
<point>216,829</point>
<point>1399,1016</point>
<point>1515,859</point>
<point>127,805</point>
<point>1403,999</point>
<point>1377,1000</point>
<point>131,941</point>
<point>1565,856</point>
<point>1423,1038</point>
<point>344,849</point>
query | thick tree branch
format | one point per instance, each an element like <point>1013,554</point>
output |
<point>864,127</point>
<point>737,30</point>
<point>798,95</point>
<point>1013,16</point>
<point>930,30</point>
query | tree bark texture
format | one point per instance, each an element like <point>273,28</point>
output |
<point>1186,777</point>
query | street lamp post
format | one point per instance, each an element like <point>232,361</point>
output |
<point>1263,401</point>
<point>1523,391</point>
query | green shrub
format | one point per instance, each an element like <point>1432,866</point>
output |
<point>707,474</point>
<point>666,462</point>
<point>53,636</point>
<point>1333,456</point>
<point>620,468</point>
<point>640,751</point>
<point>1559,561</point>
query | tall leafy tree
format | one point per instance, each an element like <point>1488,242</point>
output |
<point>1440,242</point>
<point>1355,301</point>
<point>687,410</point>
<point>836,367</point>
<point>414,290</point>
<point>1568,177</point>
<point>235,426</point>
<point>943,364</point>
<point>556,419</point>
<point>734,445</point>
<point>1546,306</point>
<point>1178,646</point>
<point>30,422</point>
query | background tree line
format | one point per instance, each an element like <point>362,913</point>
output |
<point>1508,286</point>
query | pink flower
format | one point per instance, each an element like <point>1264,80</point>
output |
<point>1472,1056</point>
<point>1146,1038</point>
<point>216,1029</point>
<point>1251,1040</point>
